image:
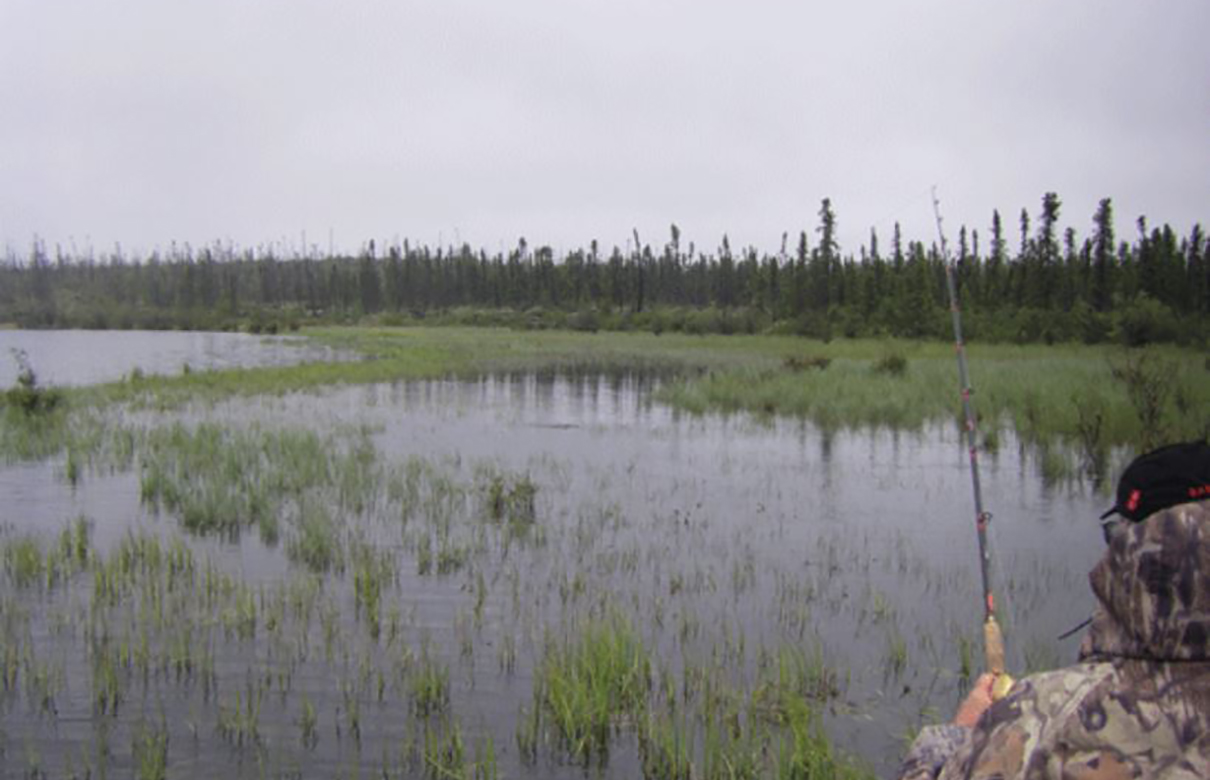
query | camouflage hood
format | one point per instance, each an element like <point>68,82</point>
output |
<point>1153,590</point>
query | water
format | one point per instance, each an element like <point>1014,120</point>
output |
<point>705,530</point>
<point>82,357</point>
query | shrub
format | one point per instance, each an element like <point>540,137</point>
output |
<point>703,321</point>
<point>27,396</point>
<point>805,362</point>
<point>893,363</point>
<point>813,325</point>
<point>584,320</point>
<point>1091,326</point>
<point>1144,321</point>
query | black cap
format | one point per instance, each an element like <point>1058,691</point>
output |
<point>1176,474</point>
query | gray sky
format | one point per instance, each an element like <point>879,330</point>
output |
<point>254,121</point>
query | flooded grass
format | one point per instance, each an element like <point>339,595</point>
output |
<point>151,628</point>
<point>378,581</point>
<point>1087,401</point>
<point>593,684</point>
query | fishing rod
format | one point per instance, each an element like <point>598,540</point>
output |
<point>993,639</point>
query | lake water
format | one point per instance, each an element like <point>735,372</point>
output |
<point>725,540</point>
<point>79,357</point>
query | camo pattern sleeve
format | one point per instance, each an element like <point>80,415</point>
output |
<point>1098,721</point>
<point>932,748</point>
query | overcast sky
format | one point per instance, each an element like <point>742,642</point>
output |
<point>257,121</point>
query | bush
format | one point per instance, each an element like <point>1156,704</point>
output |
<point>813,325</point>
<point>1091,326</point>
<point>703,321</point>
<point>806,362</point>
<point>1144,321</point>
<point>751,320</point>
<point>27,396</point>
<point>584,320</point>
<point>893,363</point>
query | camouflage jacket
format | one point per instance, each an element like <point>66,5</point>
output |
<point>1138,703</point>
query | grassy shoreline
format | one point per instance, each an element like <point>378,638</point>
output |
<point>1088,400</point>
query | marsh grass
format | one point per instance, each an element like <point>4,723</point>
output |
<point>893,363</point>
<point>805,752</point>
<point>32,437</point>
<point>1035,391</point>
<point>429,686</point>
<point>23,561</point>
<point>777,733</point>
<point>594,684</point>
<point>511,499</point>
<point>316,543</point>
<point>667,747</point>
<point>1040,393</point>
<point>797,673</point>
<point>150,751</point>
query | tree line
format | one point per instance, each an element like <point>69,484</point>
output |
<point>1034,285</point>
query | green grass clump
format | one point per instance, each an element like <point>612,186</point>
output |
<point>316,544</point>
<point>36,436</point>
<point>429,686</point>
<point>27,564</point>
<point>23,561</point>
<point>796,673</point>
<point>597,683</point>
<point>806,753</point>
<point>373,571</point>
<point>150,750</point>
<point>511,500</point>
<point>667,748</point>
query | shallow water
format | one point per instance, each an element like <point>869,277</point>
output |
<point>83,357</point>
<point>705,529</point>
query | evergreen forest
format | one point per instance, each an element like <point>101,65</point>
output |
<point>1018,283</point>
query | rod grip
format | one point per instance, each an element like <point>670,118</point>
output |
<point>993,646</point>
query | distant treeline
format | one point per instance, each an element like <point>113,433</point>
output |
<point>1037,286</point>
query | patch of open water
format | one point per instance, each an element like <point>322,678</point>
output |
<point>83,357</point>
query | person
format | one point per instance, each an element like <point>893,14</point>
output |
<point>1137,705</point>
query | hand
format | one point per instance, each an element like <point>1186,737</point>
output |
<point>977,701</point>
